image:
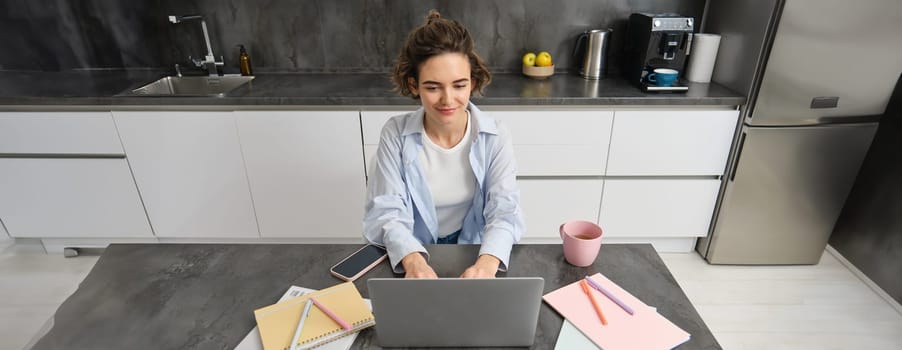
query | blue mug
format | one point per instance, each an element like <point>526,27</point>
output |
<point>663,76</point>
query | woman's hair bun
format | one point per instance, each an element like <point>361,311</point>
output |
<point>432,16</point>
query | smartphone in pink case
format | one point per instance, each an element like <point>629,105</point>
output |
<point>358,263</point>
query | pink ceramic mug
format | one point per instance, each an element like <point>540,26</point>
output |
<point>582,240</point>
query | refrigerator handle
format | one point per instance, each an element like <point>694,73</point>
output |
<point>738,156</point>
<point>688,44</point>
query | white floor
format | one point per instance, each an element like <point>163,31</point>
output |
<point>789,307</point>
<point>32,287</point>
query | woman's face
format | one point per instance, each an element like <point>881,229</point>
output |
<point>444,88</point>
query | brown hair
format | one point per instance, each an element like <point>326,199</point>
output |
<point>437,36</point>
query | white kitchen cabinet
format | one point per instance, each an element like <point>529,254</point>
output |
<point>547,203</point>
<point>59,133</point>
<point>560,160</point>
<point>651,208</point>
<point>558,143</point>
<point>70,197</point>
<point>306,172</point>
<point>671,143</point>
<point>190,172</point>
<point>649,175</point>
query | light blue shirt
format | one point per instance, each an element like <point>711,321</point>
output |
<point>400,213</point>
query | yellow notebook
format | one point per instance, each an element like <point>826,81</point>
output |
<point>278,322</point>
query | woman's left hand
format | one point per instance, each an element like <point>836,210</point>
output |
<point>485,267</point>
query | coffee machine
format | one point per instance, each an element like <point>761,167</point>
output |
<point>657,41</point>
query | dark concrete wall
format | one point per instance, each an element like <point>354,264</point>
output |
<point>289,35</point>
<point>869,230</point>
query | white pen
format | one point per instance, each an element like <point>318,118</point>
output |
<point>297,332</point>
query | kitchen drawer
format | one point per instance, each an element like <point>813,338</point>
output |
<point>657,208</point>
<point>559,143</point>
<point>90,198</point>
<point>63,133</point>
<point>682,143</point>
<point>547,203</point>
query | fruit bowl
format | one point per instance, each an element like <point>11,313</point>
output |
<point>537,72</point>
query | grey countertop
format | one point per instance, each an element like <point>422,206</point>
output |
<point>202,296</point>
<point>101,87</point>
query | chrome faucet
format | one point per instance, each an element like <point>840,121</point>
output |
<point>209,62</point>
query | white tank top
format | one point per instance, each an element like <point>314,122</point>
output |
<point>450,178</point>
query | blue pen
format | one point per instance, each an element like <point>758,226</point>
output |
<point>601,289</point>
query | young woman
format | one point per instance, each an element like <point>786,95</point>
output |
<point>445,173</point>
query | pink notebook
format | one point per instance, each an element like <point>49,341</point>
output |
<point>645,329</point>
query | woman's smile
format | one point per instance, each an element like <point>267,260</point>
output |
<point>448,111</point>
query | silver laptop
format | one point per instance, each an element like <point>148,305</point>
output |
<point>456,312</point>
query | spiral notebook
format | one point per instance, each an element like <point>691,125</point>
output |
<point>278,322</point>
<point>252,340</point>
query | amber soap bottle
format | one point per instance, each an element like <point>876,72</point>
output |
<point>244,61</point>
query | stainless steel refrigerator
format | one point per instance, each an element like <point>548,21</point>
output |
<point>818,74</point>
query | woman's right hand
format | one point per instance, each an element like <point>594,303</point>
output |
<point>415,266</point>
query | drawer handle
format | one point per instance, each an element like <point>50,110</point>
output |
<point>60,155</point>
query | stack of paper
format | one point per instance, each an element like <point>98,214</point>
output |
<point>645,329</point>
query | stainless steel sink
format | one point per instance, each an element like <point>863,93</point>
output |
<point>216,86</point>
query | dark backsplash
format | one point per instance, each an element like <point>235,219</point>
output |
<point>298,36</point>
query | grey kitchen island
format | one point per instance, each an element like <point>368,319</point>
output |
<point>202,296</point>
